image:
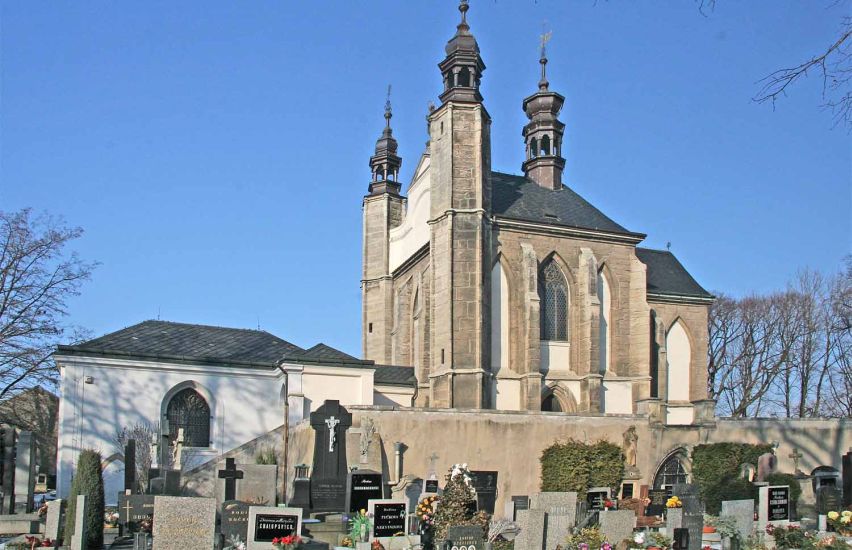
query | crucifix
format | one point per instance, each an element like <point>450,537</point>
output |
<point>230,474</point>
<point>796,455</point>
<point>178,450</point>
<point>332,423</point>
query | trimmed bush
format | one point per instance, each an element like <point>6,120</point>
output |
<point>576,466</point>
<point>87,481</point>
<point>457,506</point>
<point>716,468</point>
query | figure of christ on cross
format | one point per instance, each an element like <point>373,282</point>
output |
<point>332,423</point>
<point>230,474</point>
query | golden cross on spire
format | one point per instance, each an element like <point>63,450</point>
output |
<point>545,38</point>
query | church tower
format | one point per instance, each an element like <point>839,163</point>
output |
<point>460,137</point>
<point>383,208</point>
<point>543,134</point>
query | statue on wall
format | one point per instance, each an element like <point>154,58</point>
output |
<point>368,429</point>
<point>629,447</point>
<point>767,463</point>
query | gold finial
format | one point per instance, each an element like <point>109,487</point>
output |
<point>545,38</point>
<point>463,7</point>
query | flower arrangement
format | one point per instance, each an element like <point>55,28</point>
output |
<point>146,525</point>
<point>588,538</point>
<point>789,536</point>
<point>376,545</point>
<point>425,510</point>
<point>290,542</point>
<point>841,521</point>
<point>234,542</point>
<point>110,519</point>
<point>35,542</point>
<point>674,502</point>
<point>609,505</point>
<point>726,526</point>
<point>359,526</point>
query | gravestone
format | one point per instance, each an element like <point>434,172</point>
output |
<point>520,502</point>
<point>767,464</point>
<point>79,540</point>
<point>53,520</point>
<point>774,506</point>
<point>465,537</point>
<point>485,485</point>
<point>596,497</point>
<point>130,466</point>
<point>134,508</point>
<point>657,506</point>
<point>680,538</point>
<point>558,525</point>
<point>742,512</point>
<point>8,436</point>
<point>24,473</point>
<point>234,520</point>
<point>431,486</point>
<point>547,501</point>
<point>362,486</point>
<point>828,498</point>
<point>531,523</point>
<point>184,523</point>
<point>230,474</point>
<point>301,488</point>
<point>617,525</point>
<point>267,522</point>
<point>328,476</point>
<point>847,479</point>
<point>693,512</point>
<point>390,517</point>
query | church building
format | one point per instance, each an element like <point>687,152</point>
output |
<point>512,292</point>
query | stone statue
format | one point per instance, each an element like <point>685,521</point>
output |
<point>177,450</point>
<point>332,432</point>
<point>629,447</point>
<point>767,464</point>
<point>368,429</point>
<point>747,472</point>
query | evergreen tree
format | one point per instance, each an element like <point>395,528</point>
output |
<point>88,481</point>
<point>457,506</point>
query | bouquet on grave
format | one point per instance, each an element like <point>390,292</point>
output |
<point>359,526</point>
<point>290,542</point>
<point>674,502</point>
<point>35,542</point>
<point>425,510</point>
<point>840,521</point>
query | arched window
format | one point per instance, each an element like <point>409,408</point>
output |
<point>679,356</point>
<point>189,411</point>
<point>551,404</point>
<point>553,296</point>
<point>605,344</point>
<point>670,473</point>
<point>464,77</point>
<point>545,146</point>
<point>655,357</point>
<point>533,148</point>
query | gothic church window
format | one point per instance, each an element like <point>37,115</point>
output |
<point>533,148</point>
<point>670,473</point>
<point>551,404</point>
<point>553,296</point>
<point>545,146</point>
<point>189,411</point>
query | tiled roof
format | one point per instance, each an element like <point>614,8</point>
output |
<point>666,275</point>
<point>518,198</point>
<point>323,351</point>
<point>168,340</point>
<point>390,375</point>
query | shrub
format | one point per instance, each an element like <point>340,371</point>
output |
<point>457,506</point>
<point>87,481</point>
<point>576,466</point>
<point>717,465</point>
<point>590,536</point>
<point>266,455</point>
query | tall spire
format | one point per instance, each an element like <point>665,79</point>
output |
<point>462,68</point>
<point>385,163</point>
<point>543,133</point>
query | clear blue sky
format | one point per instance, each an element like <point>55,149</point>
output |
<point>216,152</point>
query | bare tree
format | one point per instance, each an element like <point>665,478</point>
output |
<point>833,65</point>
<point>37,276</point>
<point>146,436</point>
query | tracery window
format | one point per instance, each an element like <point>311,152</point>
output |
<point>553,296</point>
<point>189,411</point>
<point>670,473</point>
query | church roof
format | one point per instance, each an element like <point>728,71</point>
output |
<point>392,375</point>
<point>666,275</point>
<point>519,198</point>
<point>166,340</point>
<point>323,351</point>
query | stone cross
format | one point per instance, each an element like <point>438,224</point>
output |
<point>332,423</point>
<point>796,455</point>
<point>230,474</point>
<point>178,451</point>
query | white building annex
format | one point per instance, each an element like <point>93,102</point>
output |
<point>222,386</point>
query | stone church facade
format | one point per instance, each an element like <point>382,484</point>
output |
<point>512,292</point>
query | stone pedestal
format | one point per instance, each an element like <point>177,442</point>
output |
<point>79,541</point>
<point>24,473</point>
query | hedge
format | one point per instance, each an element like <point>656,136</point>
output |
<point>87,481</point>
<point>576,466</point>
<point>716,469</point>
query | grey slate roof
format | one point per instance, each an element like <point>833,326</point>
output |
<point>390,375</point>
<point>168,340</point>
<point>518,198</point>
<point>322,351</point>
<point>666,275</point>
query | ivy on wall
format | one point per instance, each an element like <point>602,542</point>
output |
<point>576,466</point>
<point>716,470</point>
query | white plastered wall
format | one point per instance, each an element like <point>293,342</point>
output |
<point>506,387</point>
<point>679,357</point>
<point>413,232</point>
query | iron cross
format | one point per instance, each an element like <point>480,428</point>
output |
<point>230,474</point>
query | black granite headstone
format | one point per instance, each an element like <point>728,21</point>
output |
<point>328,475</point>
<point>361,487</point>
<point>693,513</point>
<point>270,526</point>
<point>778,503</point>
<point>466,536</point>
<point>130,466</point>
<point>847,479</point>
<point>657,506</point>
<point>828,498</point>
<point>234,522</point>
<point>430,486</point>
<point>389,519</point>
<point>134,508</point>
<point>301,494</point>
<point>596,499</point>
<point>680,538</point>
<point>485,485</point>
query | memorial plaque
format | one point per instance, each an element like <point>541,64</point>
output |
<point>134,508</point>
<point>465,537</point>
<point>693,513</point>
<point>389,517</point>
<point>430,486</point>
<point>485,485</point>
<point>267,522</point>
<point>596,499</point>
<point>363,486</point>
<point>184,523</point>
<point>680,539</point>
<point>658,498</point>
<point>829,498</point>
<point>521,502</point>
<point>235,516</point>
<point>779,503</point>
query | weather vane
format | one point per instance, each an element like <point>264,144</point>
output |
<point>545,38</point>
<point>387,102</point>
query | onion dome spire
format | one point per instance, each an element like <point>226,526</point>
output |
<point>462,68</point>
<point>385,163</point>
<point>543,134</point>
